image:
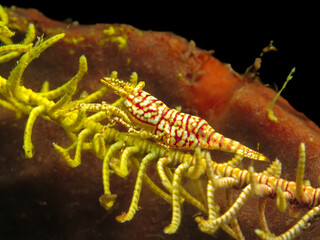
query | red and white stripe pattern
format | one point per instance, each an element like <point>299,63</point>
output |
<point>312,195</point>
<point>180,130</point>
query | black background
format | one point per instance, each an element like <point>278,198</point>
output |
<point>236,33</point>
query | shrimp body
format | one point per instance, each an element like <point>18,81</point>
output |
<point>170,127</point>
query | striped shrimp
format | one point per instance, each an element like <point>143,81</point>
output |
<point>168,126</point>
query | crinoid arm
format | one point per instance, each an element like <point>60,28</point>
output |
<point>47,107</point>
<point>295,230</point>
<point>302,194</point>
<point>14,80</point>
<point>137,189</point>
<point>106,174</point>
<point>23,96</point>
<point>176,211</point>
<point>269,109</point>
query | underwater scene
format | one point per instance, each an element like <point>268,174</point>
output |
<point>112,132</point>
